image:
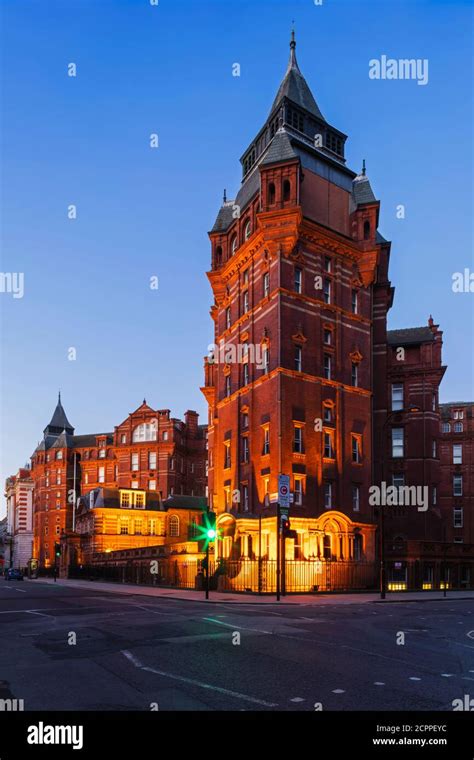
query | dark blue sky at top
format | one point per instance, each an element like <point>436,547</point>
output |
<point>144,212</point>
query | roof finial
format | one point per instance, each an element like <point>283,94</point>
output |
<point>59,396</point>
<point>144,400</point>
<point>225,195</point>
<point>292,62</point>
<point>363,167</point>
<point>292,43</point>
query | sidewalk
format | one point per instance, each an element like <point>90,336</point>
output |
<point>291,599</point>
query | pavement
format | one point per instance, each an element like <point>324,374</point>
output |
<point>305,599</point>
<point>78,645</point>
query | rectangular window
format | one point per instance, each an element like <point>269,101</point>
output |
<point>356,498</point>
<point>328,445</point>
<point>457,485</point>
<point>397,443</point>
<point>266,284</point>
<point>298,489</point>
<point>298,358</point>
<point>245,449</point>
<point>134,462</point>
<point>227,499</point>
<point>246,277</point>
<point>435,496</point>
<point>327,264</point>
<point>246,374</point>
<point>245,420</point>
<point>457,453</point>
<point>356,448</point>
<point>458,427</point>
<point>266,360</point>
<point>228,387</point>
<point>327,291</point>
<point>227,461</point>
<point>102,453</point>
<point>134,484</point>
<point>354,303</point>
<point>327,414</point>
<point>433,448</point>
<point>397,397</point>
<point>398,480</point>
<point>327,337</point>
<point>101,474</point>
<point>298,281</point>
<point>355,375</point>
<point>266,441</point>
<point>245,498</point>
<point>446,427</point>
<point>152,485</point>
<point>152,460</point>
<point>298,439</point>
<point>246,302</point>
<point>327,366</point>
<point>328,495</point>
<point>457,517</point>
<point>123,529</point>
<point>227,318</point>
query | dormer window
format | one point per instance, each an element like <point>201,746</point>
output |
<point>145,432</point>
<point>295,119</point>
<point>334,143</point>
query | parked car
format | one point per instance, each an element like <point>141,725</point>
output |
<point>12,574</point>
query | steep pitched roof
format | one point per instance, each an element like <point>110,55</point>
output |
<point>59,421</point>
<point>295,88</point>
<point>280,149</point>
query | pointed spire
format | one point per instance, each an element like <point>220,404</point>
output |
<point>59,421</point>
<point>294,86</point>
<point>144,401</point>
<point>363,167</point>
<point>293,64</point>
<point>225,196</point>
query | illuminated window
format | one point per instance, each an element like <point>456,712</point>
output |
<point>152,485</point>
<point>123,439</point>
<point>297,439</point>
<point>298,490</point>
<point>266,440</point>
<point>101,474</point>
<point>173,526</point>
<point>59,455</point>
<point>152,460</point>
<point>227,457</point>
<point>397,443</point>
<point>124,529</point>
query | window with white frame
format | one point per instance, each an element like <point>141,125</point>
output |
<point>266,284</point>
<point>145,432</point>
<point>446,427</point>
<point>227,318</point>
<point>457,517</point>
<point>245,498</point>
<point>297,439</point>
<point>397,443</point>
<point>356,447</point>
<point>227,457</point>
<point>152,460</point>
<point>152,485</point>
<point>327,337</point>
<point>59,455</point>
<point>458,427</point>
<point>134,461</point>
<point>328,413</point>
<point>298,490</point>
<point>102,453</point>
<point>266,440</point>
<point>328,444</point>
<point>397,397</point>
<point>327,290</point>
<point>298,280</point>
<point>298,358</point>
<point>245,449</point>
<point>355,374</point>
<point>173,526</point>
<point>247,229</point>
<point>457,485</point>
<point>355,498</point>
<point>101,474</point>
<point>327,366</point>
<point>457,453</point>
<point>328,495</point>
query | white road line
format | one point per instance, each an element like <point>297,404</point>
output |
<point>338,691</point>
<point>236,627</point>
<point>414,678</point>
<point>447,675</point>
<point>379,683</point>
<point>297,699</point>
<point>470,635</point>
<point>201,684</point>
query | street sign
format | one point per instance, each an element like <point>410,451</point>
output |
<point>284,490</point>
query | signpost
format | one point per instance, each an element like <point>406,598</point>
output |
<point>283,507</point>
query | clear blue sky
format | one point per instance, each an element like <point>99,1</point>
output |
<point>144,212</point>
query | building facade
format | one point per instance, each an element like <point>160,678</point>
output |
<point>19,496</point>
<point>148,451</point>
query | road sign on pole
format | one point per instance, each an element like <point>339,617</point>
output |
<point>284,490</point>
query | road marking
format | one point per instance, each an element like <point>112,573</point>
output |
<point>447,675</point>
<point>414,678</point>
<point>297,699</point>
<point>201,684</point>
<point>338,691</point>
<point>235,626</point>
<point>379,683</point>
<point>195,637</point>
<point>470,635</point>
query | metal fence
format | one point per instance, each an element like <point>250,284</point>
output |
<point>237,575</point>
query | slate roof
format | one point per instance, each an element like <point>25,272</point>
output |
<point>185,502</point>
<point>59,421</point>
<point>248,189</point>
<point>362,191</point>
<point>295,88</point>
<point>409,336</point>
<point>280,149</point>
<point>79,441</point>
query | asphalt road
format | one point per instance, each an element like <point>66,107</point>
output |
<point>139,653</point>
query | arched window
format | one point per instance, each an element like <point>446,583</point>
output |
<point>233,245</point>
<point>173,526</point>
<point>145,432</point>
<point>271,194</point>
<point>357,547</point>
<point>59,455</point>
<point>218,256</point>
<point>247,229</point>
<point>366,230</point>
<point>286,190</point>
<point>327,546</point>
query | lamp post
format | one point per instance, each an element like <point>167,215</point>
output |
<point>389,418</point>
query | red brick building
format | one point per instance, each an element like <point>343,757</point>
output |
<point>149,450</point>
<point>303,377</point>
<point>456,455</point>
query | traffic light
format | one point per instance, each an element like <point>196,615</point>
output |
<point>57,550</point>
<point>210,526</point>
<point>286,532</point>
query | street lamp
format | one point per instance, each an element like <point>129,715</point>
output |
<point>394,413</point>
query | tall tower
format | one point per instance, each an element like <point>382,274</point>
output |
<point>295,263</point>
